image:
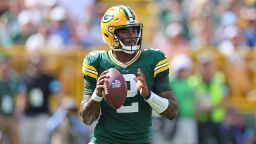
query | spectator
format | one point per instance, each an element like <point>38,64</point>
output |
<point>235,52</point>
<point>233,41</point>
<point>233,128</point>
<point>42,40</point>
<point>175,43</point>
<point>171,12</point>
<point>9,25</point>
<point>32,9</point>
<point>89,31</point>
<point>59,25</point>
<point>8,90</point>
<point>186,130</point>
<point>5,39</point>
<point>38,87</point>
<point>79,11</point>
<point>26,28</point>
<point>89,34</point>
<point>210,90</point>
<point>250,30</point>
<point>65,125</point>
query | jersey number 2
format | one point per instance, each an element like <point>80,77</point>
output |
<point>132,91</point>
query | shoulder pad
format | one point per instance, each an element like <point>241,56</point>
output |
<point>93,57</point>
<point>90,64</point>
<point>155,53</point>
<point>161,62</point>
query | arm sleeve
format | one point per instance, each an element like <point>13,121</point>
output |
<point>89,86</point>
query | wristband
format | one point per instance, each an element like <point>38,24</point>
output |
<point>159,104</point>
<point>96,98</point>
<point>149,95</point>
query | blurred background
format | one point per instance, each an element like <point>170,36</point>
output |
<point>210,43</point>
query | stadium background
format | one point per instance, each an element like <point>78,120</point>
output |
<point>65,60</point>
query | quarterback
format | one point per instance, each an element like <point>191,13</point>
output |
<point>145,72</point>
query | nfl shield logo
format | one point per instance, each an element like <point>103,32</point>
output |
<point>116,84</point>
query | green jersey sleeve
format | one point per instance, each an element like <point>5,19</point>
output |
<point>90,72</point>
<point>161,72</point>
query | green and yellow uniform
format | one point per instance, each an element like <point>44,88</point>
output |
<point>130,124</point>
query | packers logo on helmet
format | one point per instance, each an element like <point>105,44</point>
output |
<point>121,17</point>
<point>107,18</point>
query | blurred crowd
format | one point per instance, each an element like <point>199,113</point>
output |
<point>227,25</point>
<point>201,86</point>
<point>50,24</point>
<point>26,116</point>
<point>63,24</point>
<point>203,117</point>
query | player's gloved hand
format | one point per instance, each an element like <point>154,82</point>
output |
<point>101,84</point>
<point>141,84</point>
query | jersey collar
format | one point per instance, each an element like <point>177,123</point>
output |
<point>121,64</point>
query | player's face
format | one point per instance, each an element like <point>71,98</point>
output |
<point>128,35</point>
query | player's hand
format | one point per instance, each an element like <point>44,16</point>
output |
<point>101,83</point>
<point>141,83</point>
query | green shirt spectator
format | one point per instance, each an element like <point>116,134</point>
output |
<point>8,87</point>
<point>184,96</point>
<point>186,130</point>
<point>8,91</point>
<point>210,95</point>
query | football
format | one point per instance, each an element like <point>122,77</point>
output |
<point>116,89</point>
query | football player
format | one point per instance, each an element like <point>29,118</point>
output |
<point>146,74</point>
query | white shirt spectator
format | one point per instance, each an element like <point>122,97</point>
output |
<point>77,10</point>
<point>38,41</point>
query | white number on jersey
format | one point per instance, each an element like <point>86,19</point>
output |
<point>132,91</point>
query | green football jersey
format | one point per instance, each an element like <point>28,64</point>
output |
<point>131,123</point>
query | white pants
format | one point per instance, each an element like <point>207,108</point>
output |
<point>186,132</point>
<point>33,130</point>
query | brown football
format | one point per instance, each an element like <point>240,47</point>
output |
<point>116,89</point>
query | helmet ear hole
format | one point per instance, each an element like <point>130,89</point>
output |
<point>117,19</point>
<point>106,35</point>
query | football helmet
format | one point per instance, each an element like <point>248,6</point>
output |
<point>121,17</point>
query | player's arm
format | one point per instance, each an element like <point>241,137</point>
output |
<point>171,110</point>
<point>163,102</point>
<point>90,105</point>
<point>93,88</point>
